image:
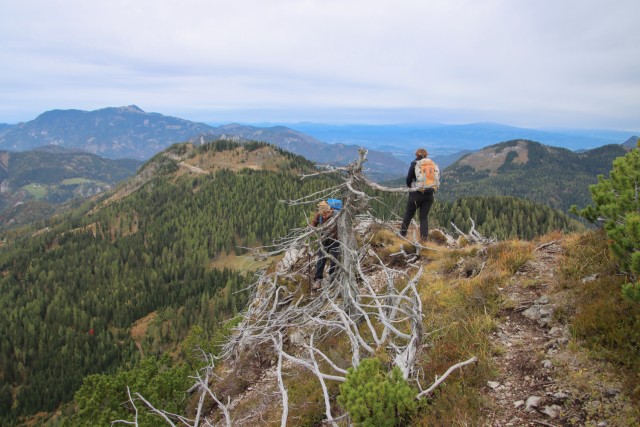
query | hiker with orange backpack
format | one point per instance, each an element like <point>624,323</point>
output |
<point>424,179</point>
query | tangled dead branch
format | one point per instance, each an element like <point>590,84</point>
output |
<point>372,318</point>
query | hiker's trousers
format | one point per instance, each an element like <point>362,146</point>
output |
<point>422,201</point>
<point>328,247</point>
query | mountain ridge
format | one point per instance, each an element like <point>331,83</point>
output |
<point>527,169</point>
<point>129,131</point>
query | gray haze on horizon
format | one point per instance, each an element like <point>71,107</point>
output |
<point>542,63</point>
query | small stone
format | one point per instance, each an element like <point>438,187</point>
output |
<point>560,397</point>
<point>589,278</point>
<point>563,341</point>
<point>493,384</point>
<point>532,403</point>
<point>603,424</point>
<point>552,411</point>
<point>532,313</point>
<point>542,300</point>
<point>612,391</point>
<point>518,404</point>
<point>527,378</point>
<point>546,311</point>
<point>547,364</point>
<point>556,331</point>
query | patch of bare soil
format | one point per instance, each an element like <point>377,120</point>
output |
<point>139,330</point>
<point>544,377</point>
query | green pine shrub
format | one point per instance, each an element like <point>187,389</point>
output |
<point>616,200</point>
<point>375,398</point>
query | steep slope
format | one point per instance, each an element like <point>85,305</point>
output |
<point>71,293</point>
<point>527,169</point>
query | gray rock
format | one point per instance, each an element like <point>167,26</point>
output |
<point>532,313</point>
<point>543,300</point>
<point>556,331</point>
<point>539,313</point>
<point>493,384</point>
<point>589,278</point>
<point>560,397</point>
<point>546,311</point>
<point>612,391</point>
<point>603,424</point>
<point>547,364</point>
<point>552,411</point>
<point>532,403</point>
<point>518,404</point>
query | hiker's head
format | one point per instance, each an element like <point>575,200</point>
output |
<point>324,207</point>
<point>421,153</point>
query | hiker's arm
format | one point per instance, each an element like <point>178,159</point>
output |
<point>411,175</point>
<point>316,220</point>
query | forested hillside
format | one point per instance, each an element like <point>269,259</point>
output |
<point>135,272</point>
<point>34,183</point>
<point>70,295</point>
<point>527,169</point>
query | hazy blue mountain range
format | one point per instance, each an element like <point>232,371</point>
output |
<point>526,169</point>
<point>123,132</point>
<point>129,132</point>
<point>443,140</point>
<point>38,180</point>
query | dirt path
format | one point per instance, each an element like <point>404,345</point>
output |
<point>536,364</point>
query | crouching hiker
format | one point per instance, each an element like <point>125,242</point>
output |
<point>330,246</point>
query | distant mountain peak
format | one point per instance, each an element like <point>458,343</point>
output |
<point>631,142</point>
<point>133,109</point>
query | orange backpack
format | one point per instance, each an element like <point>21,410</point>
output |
<point>427,174</point>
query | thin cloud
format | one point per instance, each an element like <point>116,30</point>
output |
<point>534,63</point>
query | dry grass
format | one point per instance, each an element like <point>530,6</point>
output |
<point>459,315</point>
<point>603,321</point>
<point>511,255</point>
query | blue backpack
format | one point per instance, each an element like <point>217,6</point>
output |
<point>336,204</point>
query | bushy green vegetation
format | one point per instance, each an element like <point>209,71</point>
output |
<point>617,202</point>
<point>103,398</point>
<point>375,398</point>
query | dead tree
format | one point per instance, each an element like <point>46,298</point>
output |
<point>373,306</point>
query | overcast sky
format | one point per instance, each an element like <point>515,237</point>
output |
<point>533,63</point>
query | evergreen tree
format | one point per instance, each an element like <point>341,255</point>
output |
<point>616,201</point>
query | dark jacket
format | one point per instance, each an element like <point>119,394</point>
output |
<point>411,175</point>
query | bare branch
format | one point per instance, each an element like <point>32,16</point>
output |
<point>445,375</point>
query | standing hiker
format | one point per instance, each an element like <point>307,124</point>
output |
<point>329,242</point>
<point>424,179</point>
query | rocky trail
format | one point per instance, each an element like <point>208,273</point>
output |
<point>542,379</point>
